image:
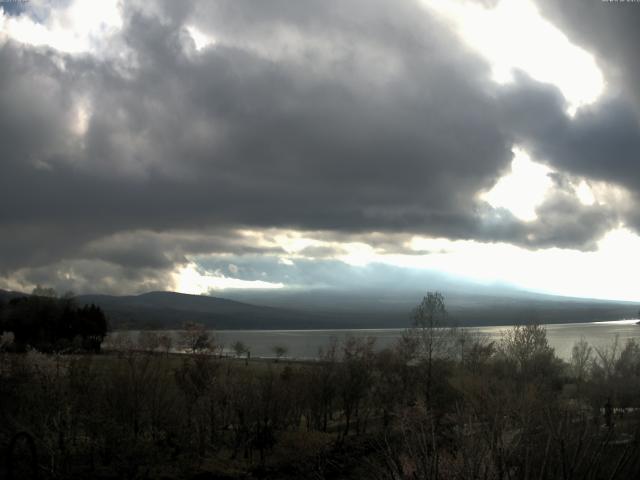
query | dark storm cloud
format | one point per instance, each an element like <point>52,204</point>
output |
<point>91,276</point>
<point>602,141</point>
<point>147,249</point>
<point>184,137</point>
<point>565,222</point>
<point>343,117</point>
<point>13,7</point>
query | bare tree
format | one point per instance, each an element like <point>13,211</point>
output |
<point>148,341</point>
<point>527,347</point>
<point>40,291</point>
<point>121,342</point>
<point>581,357</point>
<point>239,348</point>
<point>6,340</point>
<point>196,338</point>
<point>279,351</point>
<point>322,386</point>
<point>355,379</point>
<point>165,342</point>
<point>434,332</point>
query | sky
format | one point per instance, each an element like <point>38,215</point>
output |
<point>201,146</point>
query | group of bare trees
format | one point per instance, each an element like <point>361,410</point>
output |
<point>515,409</point>
<point>441,403</point>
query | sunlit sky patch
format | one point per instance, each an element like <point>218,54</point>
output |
<point>606,273</point>
<point>513,35</point>
<point>194,280</point>
<point>523,188</point>
<point>82,116</point>
<point>200,39</point>
<point>80,27</point>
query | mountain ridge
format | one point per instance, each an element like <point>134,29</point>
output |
<point>335,310</point>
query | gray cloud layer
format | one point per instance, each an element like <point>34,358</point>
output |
<point>344,117</point>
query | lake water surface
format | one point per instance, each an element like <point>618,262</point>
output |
<point>304,344</point>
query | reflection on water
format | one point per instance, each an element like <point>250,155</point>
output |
<point>305,343</point>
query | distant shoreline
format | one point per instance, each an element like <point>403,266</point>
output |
<point>626,321</point>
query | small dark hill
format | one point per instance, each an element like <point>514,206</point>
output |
<point>6,295</point>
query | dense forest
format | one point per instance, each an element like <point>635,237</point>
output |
<point>439,404</point>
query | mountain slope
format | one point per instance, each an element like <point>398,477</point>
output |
<point>475,306</point>
<point>338,309</point>
<point>172,310</point>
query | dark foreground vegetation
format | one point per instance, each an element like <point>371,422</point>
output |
<point>440,404</point>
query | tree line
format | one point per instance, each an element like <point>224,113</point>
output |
<point>50,324</point>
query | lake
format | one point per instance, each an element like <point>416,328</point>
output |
<point>304,344</point>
